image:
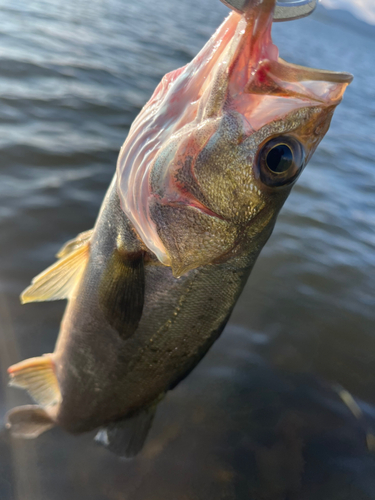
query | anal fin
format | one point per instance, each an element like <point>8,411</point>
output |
<point>37,376</point>
<point>28,422</point>
<point>58,281</point>
<point>126,437</point>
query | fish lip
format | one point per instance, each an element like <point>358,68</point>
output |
<point>333,76</point>
<point>323,75</point>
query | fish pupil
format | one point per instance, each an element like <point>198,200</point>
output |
<point>280,159</point>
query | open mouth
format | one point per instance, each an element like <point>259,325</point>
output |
<point>259,15</point>
<point>258,83</point>
<point>263,72</point>
<point>239,69</point>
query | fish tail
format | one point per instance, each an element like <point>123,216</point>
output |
<point>28,421</point>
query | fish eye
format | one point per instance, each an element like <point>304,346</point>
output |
<point>280,160</point>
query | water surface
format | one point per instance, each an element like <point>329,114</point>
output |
<point>260,418</point>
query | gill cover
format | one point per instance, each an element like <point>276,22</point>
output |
<point>185,174</point>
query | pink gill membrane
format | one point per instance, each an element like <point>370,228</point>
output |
<point>239,47</point>
<point>173,105</point>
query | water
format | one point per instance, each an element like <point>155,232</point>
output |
<point>258,418</point>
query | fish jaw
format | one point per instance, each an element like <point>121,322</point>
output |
<point>187,173</point>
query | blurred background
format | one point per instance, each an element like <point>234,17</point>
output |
<point>261,417</point>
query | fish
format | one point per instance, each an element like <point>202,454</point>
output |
<point>200,179</point>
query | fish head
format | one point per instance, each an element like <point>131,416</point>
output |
<point>224,140</point>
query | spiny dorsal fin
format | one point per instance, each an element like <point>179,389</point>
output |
<point>28,422</point>
<point>72,245</point>
<point>37,376</point>
<point>58,280</point>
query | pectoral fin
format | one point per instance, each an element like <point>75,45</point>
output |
<point>121,291</point>
<point>28,422</point>
<point>58,281</point>
<point>37,376</point>
<point>126,437</point>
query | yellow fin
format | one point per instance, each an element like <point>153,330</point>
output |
<point>72,245</point>
<point>58,280</point>
<point>37,376</point>
<point>28,422</point>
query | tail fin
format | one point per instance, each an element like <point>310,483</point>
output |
<point>37,376</point>
<point>28,421</point>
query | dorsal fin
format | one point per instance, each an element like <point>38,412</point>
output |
<point>58,280</point>
<point>37,376</point>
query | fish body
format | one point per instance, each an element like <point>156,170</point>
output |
<point>200,181</point>
<point>127,369</point>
